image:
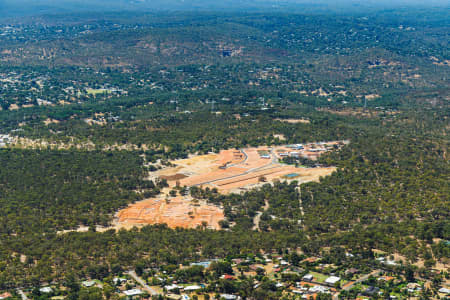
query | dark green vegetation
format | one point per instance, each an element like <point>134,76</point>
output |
<point>399,57</point>
<point>199,132</point>
<point>47,190</point>
<point>156,82</point>
<point>387,189</point>
<point>158,244</point>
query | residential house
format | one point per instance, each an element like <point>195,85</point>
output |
<point>229,297</point>
<point>318,289</point>
<point>46,290</point>
<point>191,288</point>
<point>351,271</point>
<point>332,280</point>
<point>308,277</point>
<point>133,292</point>
<point>371,290</point>
<point>89,283</point>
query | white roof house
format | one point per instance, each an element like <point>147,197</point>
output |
<point>192,288</point>
<point>318,289</point>
<point>332,280</point>
<point>118,280</point>
<point>89,283</point>
<point>228,297</point>
<point>444,291</point>
<point>172,287</point>
<point>133,292</point>
<point>308,277</point>
<point>46,290</point>
<point>391,263</point>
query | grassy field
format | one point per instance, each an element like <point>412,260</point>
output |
<point>319,277</point>
<point>97,91</point>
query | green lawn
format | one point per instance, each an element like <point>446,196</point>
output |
<point>319,277</point>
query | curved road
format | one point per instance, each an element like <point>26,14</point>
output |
<point>240,163</point>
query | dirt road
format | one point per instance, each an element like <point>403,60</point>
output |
<point>142,283</point>
<point>22,294</point>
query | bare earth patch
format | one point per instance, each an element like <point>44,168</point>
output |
<point>175,212</point>
<point>294,121</point>
<point>49,121</point>
<point>230,171</point>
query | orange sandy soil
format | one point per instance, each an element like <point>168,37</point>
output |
<point>305,175</point>
<point>252,178</point>
<point>210,171</point>
<point>174,214</point>
<point>348,284</point>
<point>203,170</point>
<point>210,176</point>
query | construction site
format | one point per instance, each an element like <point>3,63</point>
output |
<point>230,171</point>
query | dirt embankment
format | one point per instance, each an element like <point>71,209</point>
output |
<point>175,212</point>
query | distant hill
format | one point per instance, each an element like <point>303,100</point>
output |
<point>16,8</point>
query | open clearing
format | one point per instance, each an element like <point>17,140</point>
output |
<point>175,212</point>
<point>294,121</point>
<point>230,171</point>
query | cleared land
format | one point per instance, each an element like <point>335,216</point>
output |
<point>175,212</point>
<point>294,121</point>
<point>230,171</point>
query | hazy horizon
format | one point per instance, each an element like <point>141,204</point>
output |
<point>17,8</point>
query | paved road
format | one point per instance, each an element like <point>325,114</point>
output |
<point>237,175</point>
<point>22,294</point>
<point>242,162</point>
<point>348,287</point>
<point>363,278</point>
<point>142,283</point>
<point>275,159</point>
